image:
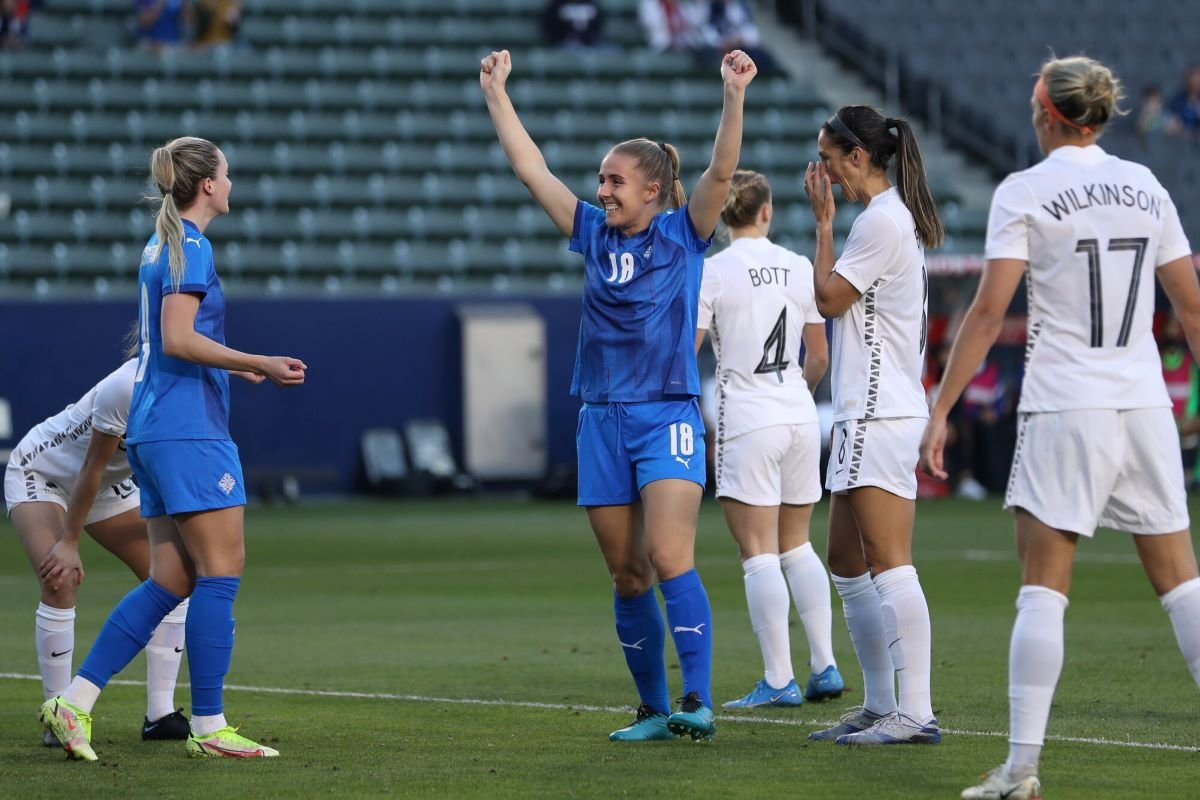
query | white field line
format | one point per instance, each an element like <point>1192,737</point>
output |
<point>470,701</point>
<point>1082,557</point>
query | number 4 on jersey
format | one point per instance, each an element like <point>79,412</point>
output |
<point>774,357</point>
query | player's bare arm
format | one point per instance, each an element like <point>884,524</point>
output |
<point>737,70</point>
<point>523,154</point>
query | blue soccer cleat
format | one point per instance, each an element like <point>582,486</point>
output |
<point>764,695</point>
<point>650,726</point>
<point>827,685</point>
<point>895,728</point>
<point>693,719</point>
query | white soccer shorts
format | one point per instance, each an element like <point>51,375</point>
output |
<point>1080,470</point>
<point>27,486</point>
<point>875,452</point>
<point>769,466</point>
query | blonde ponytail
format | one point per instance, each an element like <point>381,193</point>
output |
<point>178,167</point>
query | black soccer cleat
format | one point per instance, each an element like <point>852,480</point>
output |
<point>173,726</point>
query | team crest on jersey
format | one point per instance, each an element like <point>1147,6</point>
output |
<point>649,252</point>
<point>227,483</point>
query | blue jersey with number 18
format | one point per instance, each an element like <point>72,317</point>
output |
<point>173,398</point>
<point>637,335</point>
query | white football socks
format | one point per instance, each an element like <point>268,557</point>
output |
<point>810,592</point>
<point>202,726</point>
<point>1035,660</point>
<point>163,654</point>
<point>906,627</point>
<point>82,693</point>
<point>767,599</point>
<point>864,618</point>
<point>54,632</point>
<point>1182,605</point>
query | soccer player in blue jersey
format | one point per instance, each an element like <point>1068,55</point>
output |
<point>640,438</point>
<point>185,463</point>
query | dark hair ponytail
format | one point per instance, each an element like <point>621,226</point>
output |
<point>863,126</point>
<point>913,186</point>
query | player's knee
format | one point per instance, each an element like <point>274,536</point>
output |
<point>60,591</point>
<point>633,581</point>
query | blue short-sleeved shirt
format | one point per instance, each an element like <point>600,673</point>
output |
<point>173,398</point>
<point>637,338</point>
<point>168,28</point>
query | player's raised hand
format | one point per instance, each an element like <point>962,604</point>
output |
<point>284,370</point>
<point>933,446</point>
<point>820,193</point>
<point>738,69</point>
<point>493,70</point>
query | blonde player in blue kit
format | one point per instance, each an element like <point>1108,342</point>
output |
<point>185,463</point>
<point>640,438</point>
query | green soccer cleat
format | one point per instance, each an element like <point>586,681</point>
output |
<point>71,725</point>
<point>650,726</point>
<point>226,743</point>
<point>693,719</point>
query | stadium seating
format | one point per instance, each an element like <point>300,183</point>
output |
<point>357,137</point>
<point>979,58</point>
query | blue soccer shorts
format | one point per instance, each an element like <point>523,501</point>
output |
<point>184,475</point>
<point>621,447</point>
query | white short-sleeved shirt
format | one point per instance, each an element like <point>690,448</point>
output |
<point>755,299</point>
<point>1092,229</point>
<point>878,347</point>
<point>55,449</point>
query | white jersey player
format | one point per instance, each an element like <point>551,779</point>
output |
<point>70,474</point>
<point>876,295</point>
<point>1097,443</point>
<point>756,302</point>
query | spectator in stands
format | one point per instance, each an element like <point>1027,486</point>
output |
<point>730,26</point>
<point>217,22</point>
<point>1153,119</point>
<point>14,24</point>
<point>573,23</point>
<point>1180,376</point>
<point>673,25</point>
<point>986,405</point>
<point>1186,105</point>
<point>162,24</point>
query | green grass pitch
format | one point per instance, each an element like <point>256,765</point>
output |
<point>466,649</point>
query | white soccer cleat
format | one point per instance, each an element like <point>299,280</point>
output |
<point>997,787</point>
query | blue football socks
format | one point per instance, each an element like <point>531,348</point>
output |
<point>690,618</point>
<point>640,632</point>
<point>209,641</point>
<point>126,631</point>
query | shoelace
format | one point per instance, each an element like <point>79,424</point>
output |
<point>690,702</point>
<point>852,714</point>
<point>645,712</point>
